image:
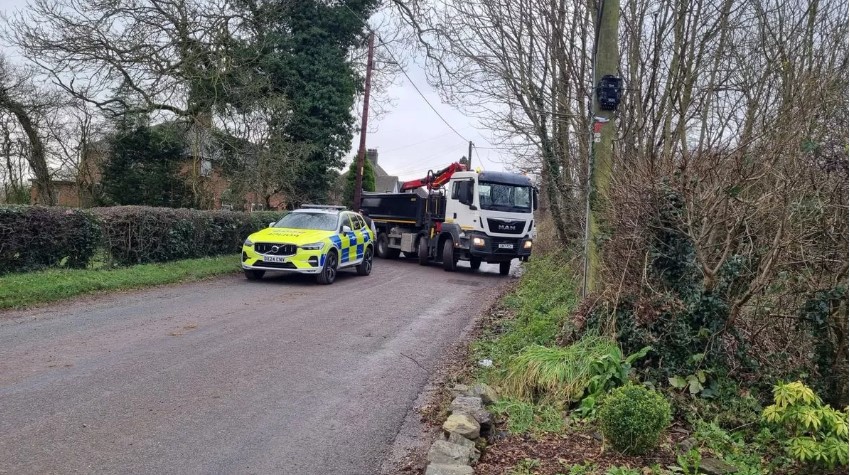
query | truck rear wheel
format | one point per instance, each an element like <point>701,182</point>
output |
<point>475,263</point>
<point>423,251</point>
<point>504,268</point>
<point>449,260</point>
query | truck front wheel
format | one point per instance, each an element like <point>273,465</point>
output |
<point>384,250</point>
<point>504,268</point>
<point>449,260</point>
<point>422,250</point>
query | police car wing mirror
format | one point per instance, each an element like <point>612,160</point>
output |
<point>346,229</point>
<point>271,225</point>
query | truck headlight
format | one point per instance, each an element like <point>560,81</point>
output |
<point>477,241</point>
<point>526,245</point>
<point>248,242</point>
<point>315,246</point>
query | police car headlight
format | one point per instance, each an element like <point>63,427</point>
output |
<point>477,241</point>
<point>526,245</point>
<point>313,246</point>
<point>248,243</point>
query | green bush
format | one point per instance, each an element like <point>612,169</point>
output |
<point>36,237</point>
<point>815,433</point>
<point>633,417</point>
<point>141,234</point>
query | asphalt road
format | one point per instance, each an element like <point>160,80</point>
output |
<point>229,376</point>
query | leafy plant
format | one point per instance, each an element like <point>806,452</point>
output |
<point>586,468</point>
<point>817,433</point>
<point>609,371</point>
<point>689,462</point>
<point>633,417</point>
<point>525,467</point>
<point>622,471</point>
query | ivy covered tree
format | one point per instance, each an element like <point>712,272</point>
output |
<point>143,167</point>
<point>351,176</point>
<point>307,58</point>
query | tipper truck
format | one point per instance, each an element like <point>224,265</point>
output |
<point>465,215</point>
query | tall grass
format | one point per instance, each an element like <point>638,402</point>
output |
<point>541,304</point>
<point>556,375</point>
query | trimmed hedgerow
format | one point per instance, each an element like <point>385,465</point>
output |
<point>37,237</point>
<point>633,417</point>
<point>140,234</point>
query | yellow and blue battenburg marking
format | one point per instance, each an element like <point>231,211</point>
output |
<point>350,245</point>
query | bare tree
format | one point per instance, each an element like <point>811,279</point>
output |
<point>20,98</point>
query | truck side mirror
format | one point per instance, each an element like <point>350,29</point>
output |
<point>534,199</point>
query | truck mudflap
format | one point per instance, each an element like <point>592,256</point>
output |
<point>498,249</point>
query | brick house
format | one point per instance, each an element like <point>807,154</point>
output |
<point>201,157</point>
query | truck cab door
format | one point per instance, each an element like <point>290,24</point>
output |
<point>460,205</point>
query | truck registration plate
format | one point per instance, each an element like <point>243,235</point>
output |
<point>268,258</point>
<point>506,246</point>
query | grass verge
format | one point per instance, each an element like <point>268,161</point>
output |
<point>34,288</point>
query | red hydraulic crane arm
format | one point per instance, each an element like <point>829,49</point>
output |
<point>434,179</point>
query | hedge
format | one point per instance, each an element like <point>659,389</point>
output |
<point>36,237</point>
<point>33,237</point>
<point>141,234</point>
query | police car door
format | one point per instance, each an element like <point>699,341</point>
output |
<point>348,252</point>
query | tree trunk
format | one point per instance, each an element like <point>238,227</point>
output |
<point>36,157</point>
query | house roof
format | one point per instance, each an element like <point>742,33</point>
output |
<point>386,183</point>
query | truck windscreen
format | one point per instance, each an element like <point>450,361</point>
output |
<point>502,197</point>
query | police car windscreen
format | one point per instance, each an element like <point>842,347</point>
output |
<point>323,221</point>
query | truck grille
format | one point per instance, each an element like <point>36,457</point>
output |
<point>505,226</point>
<point>275,249</point>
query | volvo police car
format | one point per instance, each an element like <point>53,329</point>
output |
<point>318,240</point>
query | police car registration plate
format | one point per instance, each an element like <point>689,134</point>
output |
<point>268,258</point>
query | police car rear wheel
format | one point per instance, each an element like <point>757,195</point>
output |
<point>252,274</point>
<point>365,266</point>
<point>328,274</point>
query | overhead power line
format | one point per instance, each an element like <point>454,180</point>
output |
<point>389,51</point>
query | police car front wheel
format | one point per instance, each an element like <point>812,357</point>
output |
<point>328,274</point>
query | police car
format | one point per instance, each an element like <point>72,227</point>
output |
<point>318,240</point>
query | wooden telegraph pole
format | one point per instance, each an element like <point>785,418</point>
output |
<point>606,59</point>
<point>361,152</point>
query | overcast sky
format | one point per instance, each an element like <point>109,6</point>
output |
<point>410,137</point>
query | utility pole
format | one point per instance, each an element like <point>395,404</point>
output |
<point>361,152</point>
<point>606,59</point>
<point>469,155</point>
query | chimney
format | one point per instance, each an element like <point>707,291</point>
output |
<point>372,155</point>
